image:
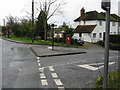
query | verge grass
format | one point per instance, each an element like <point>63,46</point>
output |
<point>113,81</point>
<point>41,42</point>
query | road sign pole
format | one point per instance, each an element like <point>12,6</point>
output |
<point>53,38</point>
<point>106,55</point>
<point>32,21</point>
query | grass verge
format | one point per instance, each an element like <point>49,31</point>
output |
<point>41,42</point>
<point>113,81</point>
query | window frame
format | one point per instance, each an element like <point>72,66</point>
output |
<point>94,35</point>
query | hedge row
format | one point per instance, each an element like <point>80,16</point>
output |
<point>115,39</point>
<point>63,40</point>
<point>111,45</point>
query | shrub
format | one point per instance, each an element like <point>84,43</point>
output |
<point>114,46</point>
<point>113,81</point>
<point>111,45</point>
<point>115,39</point>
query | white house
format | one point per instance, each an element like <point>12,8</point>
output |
<point>90,26</point>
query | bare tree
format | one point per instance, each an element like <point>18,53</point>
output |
<point>10,23</point>
<point>49,7</point>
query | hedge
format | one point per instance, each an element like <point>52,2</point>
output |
<point>111,45</point>
<point>115,39</point>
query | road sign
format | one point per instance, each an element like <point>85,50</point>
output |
<point>105,4</point>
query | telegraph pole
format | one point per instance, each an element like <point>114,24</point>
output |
<point>106,7</point>
<point>32,21</point>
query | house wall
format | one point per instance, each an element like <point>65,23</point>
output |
<point>98,29</point>
<point>86,37</point>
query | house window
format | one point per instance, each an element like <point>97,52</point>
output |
<point>94,35</point>
<point>100,23</point>
<point>113,23</point>
<point>100,35</point>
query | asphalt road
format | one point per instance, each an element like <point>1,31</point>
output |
<point>22,69</point>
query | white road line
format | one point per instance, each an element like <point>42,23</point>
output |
<point>44,82</point>
<point>87,66</point>
<point>38,58</point>
<point>38,61</point>
<point>51,68</point>
<point>61,88</point>
<point>54,75</point>
<point>39,64</point>
<point>58,82</point>
<point>42,76</point>
<point>41,69</point>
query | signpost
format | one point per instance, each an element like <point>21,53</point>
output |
<point>53,25</point>
<point>106,7</point>
<point>32,21</point>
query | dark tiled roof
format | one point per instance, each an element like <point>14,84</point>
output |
<point>94,15</point>
<point>84,28</point>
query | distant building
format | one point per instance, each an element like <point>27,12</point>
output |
<point>90,26</point>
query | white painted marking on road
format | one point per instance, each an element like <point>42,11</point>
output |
<point>54,75</point>
<point>41,69</point>
<point>61,88</point>
<point>42,76</point>
<point>58,82</point>
<point>51,68</point>
<point>38,61</point>
<point>38,58</point>
<point>39,64</point>
<point>87,66</point>
<point>50,48</point>
<point>44,82</point>
<point>111,63</point>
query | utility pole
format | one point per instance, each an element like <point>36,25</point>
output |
<point>32,21</point>
<point>4,22</point>
<point>106,7</point>
<point>118,68</point>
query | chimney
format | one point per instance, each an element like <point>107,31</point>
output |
<point>82,13</point>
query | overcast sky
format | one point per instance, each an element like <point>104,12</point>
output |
<point>70,11</point>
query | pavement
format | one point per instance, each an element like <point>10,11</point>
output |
<point>46,50</point>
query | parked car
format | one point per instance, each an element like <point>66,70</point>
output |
<point>78,40</point>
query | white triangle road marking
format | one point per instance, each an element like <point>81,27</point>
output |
<point>88,66</point>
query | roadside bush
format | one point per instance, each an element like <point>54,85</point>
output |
<point>101,43</point>
<point>114,46</point>
<point>115,39</point>
<point>111,45</point>
<point>113,81</point>
<point>59,40</point>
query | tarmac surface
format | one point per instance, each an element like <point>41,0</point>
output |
<point>46,51</point>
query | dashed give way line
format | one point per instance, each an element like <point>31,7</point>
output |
<point>92,66</point>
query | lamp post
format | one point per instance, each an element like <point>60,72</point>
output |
<point>32,21</point>
<point>106,7</point>
<point>52,26</point>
